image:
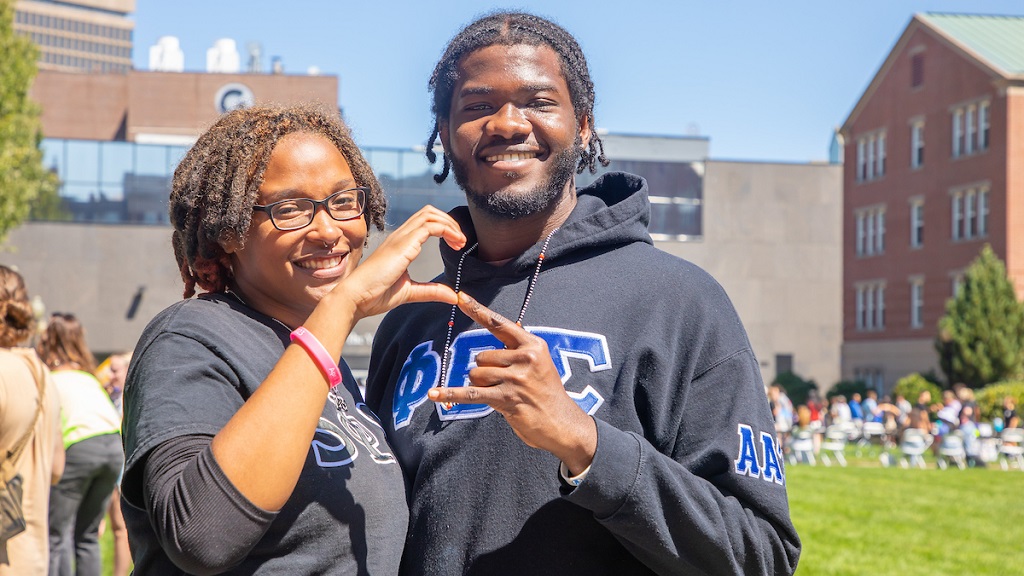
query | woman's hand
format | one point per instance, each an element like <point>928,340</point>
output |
<point>382,282</point>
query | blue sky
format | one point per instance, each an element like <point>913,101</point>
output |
<point>762,80</point>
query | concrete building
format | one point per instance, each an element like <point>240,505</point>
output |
<point>772,237</point>
<point>934,170</point>
<point>83,35</point>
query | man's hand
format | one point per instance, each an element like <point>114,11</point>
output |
<point>522,383</point>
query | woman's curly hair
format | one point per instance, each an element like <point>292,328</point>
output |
<point>217,183</point>
<point>16,318</point>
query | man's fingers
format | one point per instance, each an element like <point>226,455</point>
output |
<point>508,332</point>
<point>450,395</point>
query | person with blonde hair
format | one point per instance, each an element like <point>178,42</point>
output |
<point>29,418</point>
<point>91,429</point>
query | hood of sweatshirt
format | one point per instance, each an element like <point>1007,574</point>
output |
<point>613,211</point>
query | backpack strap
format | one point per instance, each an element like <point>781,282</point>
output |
<point>36,367</point>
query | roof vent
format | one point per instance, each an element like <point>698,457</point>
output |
<point>223,57</point>
<point>166,55</point>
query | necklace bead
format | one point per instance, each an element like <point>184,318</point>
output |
<point>458,282</point>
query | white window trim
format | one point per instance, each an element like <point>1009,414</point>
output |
<point>983,211</point>
<point>870,230</point>
<point>984,124</point>
<point>970,128</point>
<point>870,306</point>
<point>871,155</point>
<point>971,121</point>
<point>916,301</point>
<point>916,221</point>
<point>917,143</point>
<point>958,121</point>
<point>956,230</point>
<point>970,208</point>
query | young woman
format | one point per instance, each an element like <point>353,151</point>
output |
<point>249,449</point>
<point>91,429</point>
<point>30,418</point>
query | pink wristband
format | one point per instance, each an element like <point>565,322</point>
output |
<point>318,354</point>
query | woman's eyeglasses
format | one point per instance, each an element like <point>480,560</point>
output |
<point>295,213</point>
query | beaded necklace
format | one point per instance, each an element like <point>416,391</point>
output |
<point>458,282</point>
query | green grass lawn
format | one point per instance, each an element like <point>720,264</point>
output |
<point>865,519</point>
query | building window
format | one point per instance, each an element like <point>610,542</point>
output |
<point>917,223</point>
<point>917,144</point>
<point>958,132</point>
<point>958,283</point>
<point>916,70</point>
<point>971,128</point>
<point>916,302</point>
<point>984,124</point>
<point>970,210</point>
<point>958,216</point>
<point>676,207</point>
<point>871,156</point>
<point>870,306</point>
<point>783,363</point>
<point>870,224</point>
<point>982,226</point>
<point>871,377</point>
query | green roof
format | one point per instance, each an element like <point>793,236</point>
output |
<point>998,40</point>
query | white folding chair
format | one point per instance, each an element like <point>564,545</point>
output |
<point>913,446</point>
<point>952,449</point>
<point>1011,449</point>
<point>801,447</point>
<point>870,431</point>
<point>834,443</point>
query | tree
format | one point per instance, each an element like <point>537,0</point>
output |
<point>22,175</point>
<point>981,337</point>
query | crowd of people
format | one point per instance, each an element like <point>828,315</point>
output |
<point>954,420</point>
<point>511,424</point>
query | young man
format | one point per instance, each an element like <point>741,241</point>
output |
<point>616,422</point>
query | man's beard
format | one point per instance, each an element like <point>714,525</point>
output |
<point>510,205</point>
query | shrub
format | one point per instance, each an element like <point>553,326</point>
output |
<point>911,385</point>
<point>990,398</point>
<point>796,387</point>
<point>847,388</point>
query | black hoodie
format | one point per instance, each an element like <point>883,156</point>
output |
<point>687,477</point>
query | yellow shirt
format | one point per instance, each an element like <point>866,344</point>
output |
<point>86,410</point>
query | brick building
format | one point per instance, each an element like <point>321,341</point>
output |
<point>161,107</point>
<point>934,169</point>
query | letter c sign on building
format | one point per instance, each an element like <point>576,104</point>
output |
<point>232,97</point>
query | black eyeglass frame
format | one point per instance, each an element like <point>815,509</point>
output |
<point>364,192</point>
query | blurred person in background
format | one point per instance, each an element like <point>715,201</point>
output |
<point>92,440</point>
<point>1010,417</point>
<point>111,374</point>
<point>29,416</point>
